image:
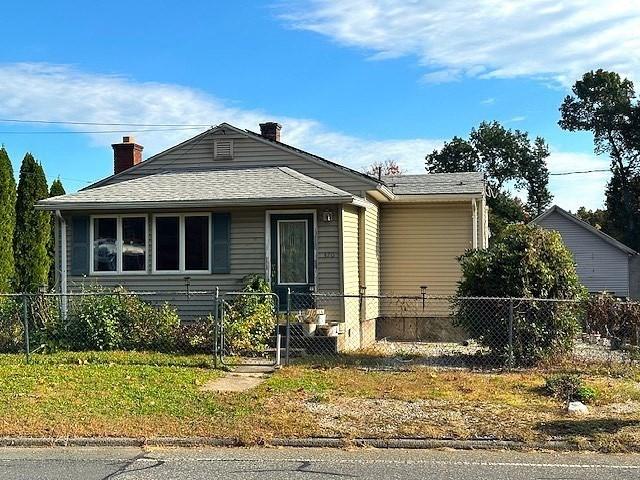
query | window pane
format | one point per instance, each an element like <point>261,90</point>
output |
<point>292,238</point>
<point>167,243</point>
<point>133,244</point>
<point>105,252</point>
<point>196,243</point>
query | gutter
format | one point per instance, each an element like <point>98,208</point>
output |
<point>386,191</point>
<point>62,245</point>
<point>438,197</point>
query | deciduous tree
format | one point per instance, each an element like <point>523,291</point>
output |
<point>505,157</point>
<point>388,168</point>
<point>605,104</point>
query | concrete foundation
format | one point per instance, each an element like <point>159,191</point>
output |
<point>423,329</point>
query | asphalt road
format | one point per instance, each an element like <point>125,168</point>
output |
<point>249,464</point>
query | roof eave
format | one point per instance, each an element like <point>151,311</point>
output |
<point>182,204</point>
<point>437,197</point>
<point>607,238</point>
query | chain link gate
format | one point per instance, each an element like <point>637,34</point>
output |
<point>246,337</point>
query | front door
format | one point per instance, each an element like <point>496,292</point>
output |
<point>292,254</point>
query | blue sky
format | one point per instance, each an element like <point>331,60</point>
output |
<point>353,80</point>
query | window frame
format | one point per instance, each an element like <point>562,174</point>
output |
<point>119,244</point>
<point>181,244</point>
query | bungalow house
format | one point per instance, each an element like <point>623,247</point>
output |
<point>602,262</point>
<point>230,202</point>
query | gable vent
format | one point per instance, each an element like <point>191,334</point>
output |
<point>223,149</point>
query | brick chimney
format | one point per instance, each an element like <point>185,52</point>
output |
<point>126,154</point>
<point>271,131</point>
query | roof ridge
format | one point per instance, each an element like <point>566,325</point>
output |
<point>587,226</point>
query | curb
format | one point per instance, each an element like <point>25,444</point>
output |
<point>315,442</point>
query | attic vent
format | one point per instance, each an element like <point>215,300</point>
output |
<point>222,149</point>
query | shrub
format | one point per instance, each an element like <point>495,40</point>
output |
<point>44,322</point>
<point>110,320</point>
<point>524,261</point>
<point>11,331</point>
<point>613,318</point>
<point>196,337</point>
<point>250,319</point>
<point>569,387</point>
<point>146,327</point>
<point>93,322</point>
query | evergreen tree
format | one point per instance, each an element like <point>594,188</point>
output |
<point>31,235</point>
<point>55,190</point>
<point>7,221</point>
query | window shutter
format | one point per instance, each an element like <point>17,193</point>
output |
<point>220,244</point>
<point>80,245</point>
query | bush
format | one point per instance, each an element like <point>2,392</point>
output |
<point>145,327</point>
<point>524,262</point>
<point>104,320</point>
<point>612,318</point>
<point>11,331</point>
<point>569,387</point>
<point>93,322</point>
<point>196,337</point>
<point>250,320</point>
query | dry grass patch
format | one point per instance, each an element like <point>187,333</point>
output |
<point>429,403</point>
<point>138,396</point>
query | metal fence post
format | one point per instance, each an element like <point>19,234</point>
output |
<point>288,328</point>
<point>25,322</point>
<point>510,360</point>
<point>215,329</point>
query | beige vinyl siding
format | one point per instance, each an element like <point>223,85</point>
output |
<point>247,152</point>
<point>247,255</point>
<point>350,248</point>
<point>351,276</point>
<point>420,246</point>
<point>372,257</point>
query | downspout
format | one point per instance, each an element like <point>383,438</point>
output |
<point>63,263</point>
<point>474,220</point>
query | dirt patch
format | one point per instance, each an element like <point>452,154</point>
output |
<point>433,418</point>
<point>234,382</point>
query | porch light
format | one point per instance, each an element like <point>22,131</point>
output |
<point>327,216</point>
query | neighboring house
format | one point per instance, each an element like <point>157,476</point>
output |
<point>230,202</point>
<point>602,262</point>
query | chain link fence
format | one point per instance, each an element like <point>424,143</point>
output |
<point>165,322</point>
<point>223,328</point>
<point>441,331</point>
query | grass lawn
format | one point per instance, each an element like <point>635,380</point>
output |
<point>125,394</point>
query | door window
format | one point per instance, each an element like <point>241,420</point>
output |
<point>292,252</point>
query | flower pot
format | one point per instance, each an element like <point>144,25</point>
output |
<point>309,329</point>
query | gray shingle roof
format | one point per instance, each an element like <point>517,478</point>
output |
<point>276,185</point>
<point>436,183</point>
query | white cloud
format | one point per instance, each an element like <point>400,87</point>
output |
<point>488,101</point>
<point>61,93</point>
<point>557,39</point>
